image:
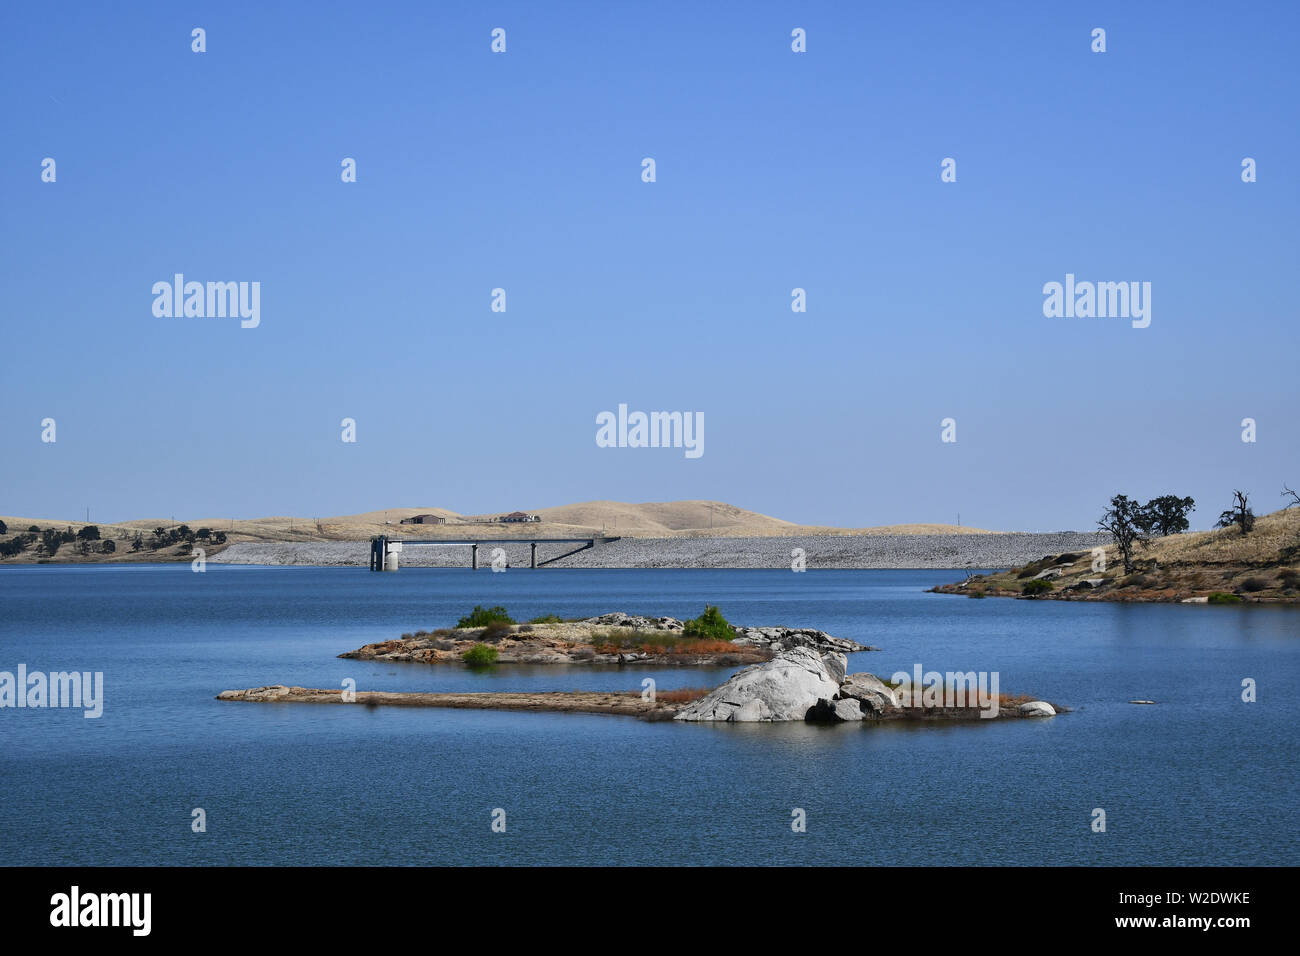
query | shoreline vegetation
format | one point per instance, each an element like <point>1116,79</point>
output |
<point>1248,559</point>
<point>791,674</point>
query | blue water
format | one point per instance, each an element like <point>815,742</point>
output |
<point>1200,778</point>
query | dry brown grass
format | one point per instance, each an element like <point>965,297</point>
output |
<point>681,695</point>
<point>1272,535</point>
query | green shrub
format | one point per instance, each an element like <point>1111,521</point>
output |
<point>1032,588</point>
<point>547,619</point>
<point>495,631</point>
<point>483,616</point>
<point>1253,584</point>
<point>975,594</point>
<point>1222,597</point>
<point>480,655</point>
<point>710,625</point>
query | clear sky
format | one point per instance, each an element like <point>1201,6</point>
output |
<point>522,171</point>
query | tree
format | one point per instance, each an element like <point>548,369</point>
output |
<point>710,625</point>
<point>203,534</point>
<point>137,543</point>
<point>1239,514</point>
<point>1286,493</point>
<point>1121,521</point>
<point>51,540</point>
<point>89,533</point>
<point>4,528</point>
<point>219,537</point>
<point>108,547</point>
<point>1166,515</point>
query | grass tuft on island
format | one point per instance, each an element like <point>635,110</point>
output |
<point>1222,566</point>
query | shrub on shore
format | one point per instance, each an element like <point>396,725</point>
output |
<point>1033,588</point>
<point>1253,584</point>
<point>547,619</point>
<point>710,625</point>
<point>483,616</point>
<point>480,655</point>
<point>1222,597</point>
<point>495,631</point>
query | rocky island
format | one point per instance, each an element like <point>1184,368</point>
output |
<point>616,638</point>
<point>793,674</point>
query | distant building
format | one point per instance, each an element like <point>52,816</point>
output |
<point>518,517</point>
<point>424,519</point>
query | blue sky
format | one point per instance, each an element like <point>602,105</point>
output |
<point>522,170</point>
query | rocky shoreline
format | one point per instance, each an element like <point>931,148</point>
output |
<point>923,551</point>
<point>628,704</point>
<point>1219,567</point>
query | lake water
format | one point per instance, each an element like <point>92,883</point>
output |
<point>1201,778</point>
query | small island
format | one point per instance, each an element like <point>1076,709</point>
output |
<point>793,674</point>
<point>490,636</point>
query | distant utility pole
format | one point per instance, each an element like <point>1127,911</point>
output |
<point>959,519</point>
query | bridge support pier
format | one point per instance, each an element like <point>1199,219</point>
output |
<point>473,557</point>
<point>534,556</point>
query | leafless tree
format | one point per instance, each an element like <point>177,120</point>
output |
<point>1239,514</point>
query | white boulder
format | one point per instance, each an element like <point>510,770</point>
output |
<point>1037,708</point>
<point>785,688</point>
<point>873,694</point>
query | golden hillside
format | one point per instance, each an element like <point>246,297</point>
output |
<point>654,519</point>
